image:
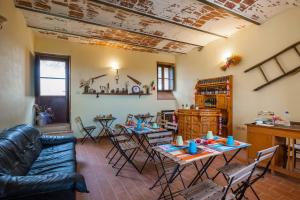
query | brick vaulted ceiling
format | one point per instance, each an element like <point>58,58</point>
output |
<point>175,26</point>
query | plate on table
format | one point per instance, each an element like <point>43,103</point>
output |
<point>156,128</point>
<point>224,142</point>
<point>185,144</point>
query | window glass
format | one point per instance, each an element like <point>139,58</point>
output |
<point>159,84</point>
<point>52,87</point>
<point>53,69</point>
<point>166,72</point>
<point>165,77</point>
<point>171,85</point>
<point>171,73</point>
<point>166,84</point>
<point>159,72</point>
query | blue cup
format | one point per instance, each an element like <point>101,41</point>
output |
<point>192,147</point>
<point>230,141</point>
<point>139,125</point>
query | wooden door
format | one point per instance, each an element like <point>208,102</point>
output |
<point>199,100</point>
<point>221,101</point>
<point>52,85</point>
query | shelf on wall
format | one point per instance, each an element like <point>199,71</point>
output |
<point>117,94</point>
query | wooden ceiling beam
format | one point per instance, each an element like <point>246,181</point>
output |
<point>229,11</point>
<point>106,26</point>
<point>157,18</point>
<point>103,39</point>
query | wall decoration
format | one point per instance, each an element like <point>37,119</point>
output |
<point>3,21</point>
<point>134,80</point>
<point>294,48</point>
<point>136,89</point>
<point>86,84</point>
<point>231,61</point>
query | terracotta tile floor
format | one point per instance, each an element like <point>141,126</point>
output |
<point>130,185</point>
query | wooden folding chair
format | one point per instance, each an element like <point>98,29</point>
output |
<point>86,131</point>
<point>209,190</point>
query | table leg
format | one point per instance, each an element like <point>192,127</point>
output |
<point>227,161</point>
<point>202,170</point>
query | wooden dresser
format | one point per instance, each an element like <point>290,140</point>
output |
<point>262,137</point>
<point>196,123</point>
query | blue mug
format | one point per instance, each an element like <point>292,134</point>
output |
<point>192,147</point>
<point>139,125</point>
<point>230,141</point>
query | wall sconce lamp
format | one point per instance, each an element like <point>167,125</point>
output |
<point>116,67</point>
<point>230,60</point>
<point>3,21</point>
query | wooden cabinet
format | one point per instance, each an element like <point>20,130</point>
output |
<point>262,137</point>
<point>196,123</point>
<point>216,93</point>
<point>221,101</point>
<point>209,123</point>
<point>199,100</point>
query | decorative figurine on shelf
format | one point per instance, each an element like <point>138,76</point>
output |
<point>147,89</point>
<point>107,88</point>
<point>152,85</point>
<point>126,87</point>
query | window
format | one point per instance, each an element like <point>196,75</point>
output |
<point>52,78</point>
<point>165,77</point>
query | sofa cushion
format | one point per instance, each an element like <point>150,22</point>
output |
<point>60,158</point>
<point>25,140</point>
<point>57,149</point>
<point>10,161</point>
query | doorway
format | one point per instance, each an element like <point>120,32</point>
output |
<point>53,85</point>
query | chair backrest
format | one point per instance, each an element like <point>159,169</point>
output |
<point>159,138</point>
<point>163,123</point>
<point>266,154</point>
<point>243,176</point>
<point>158,117</point>
<point>171,126</point>
<point>79,123</point>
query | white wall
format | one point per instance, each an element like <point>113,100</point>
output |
<point>16,79</point>
<point>89,61</point>
<point>254,44</point>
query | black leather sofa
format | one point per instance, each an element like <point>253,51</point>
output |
<point>35,166</point>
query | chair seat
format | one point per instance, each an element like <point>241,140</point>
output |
<point>128,145</point>
<point>232,168</point>
<point>169,166</point>
<point>121,138</point>
<point>206,190</point>
<point>90,127</point>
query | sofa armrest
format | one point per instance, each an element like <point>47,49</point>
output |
<point>55,140</point>
<point>16,186</point>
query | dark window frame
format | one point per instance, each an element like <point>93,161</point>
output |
<point>163,66</point>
